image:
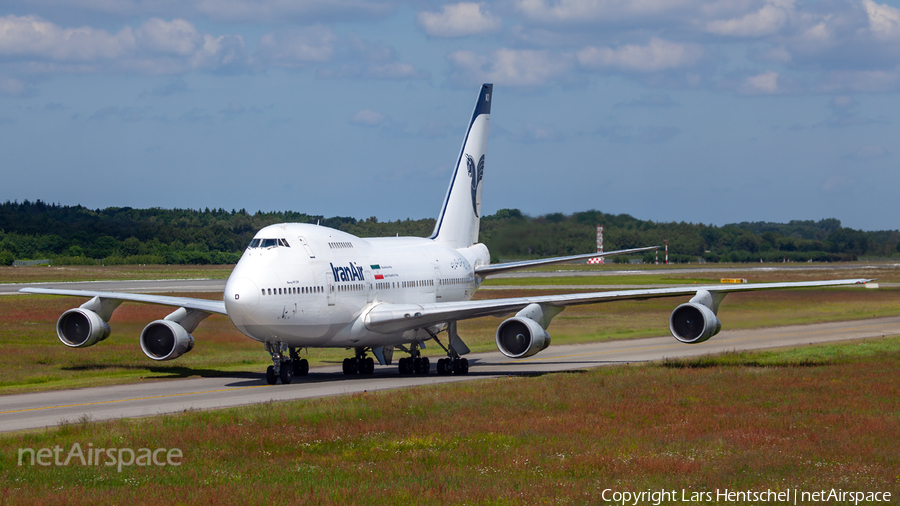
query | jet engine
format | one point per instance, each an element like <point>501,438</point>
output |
<point>693,323</point>
<point>520,337</point>
<point>79,328</point>
<point>165,340</point>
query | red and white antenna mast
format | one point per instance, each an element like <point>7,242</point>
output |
<point>598,260</point>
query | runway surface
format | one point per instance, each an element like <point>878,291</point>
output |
<point>31,411</point>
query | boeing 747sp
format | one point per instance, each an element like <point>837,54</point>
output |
<point>306,286</point>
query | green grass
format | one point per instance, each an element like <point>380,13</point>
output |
<point>648,279</point>
<point>46,274</point>
<point>33,359</point>
<point>811,418</point>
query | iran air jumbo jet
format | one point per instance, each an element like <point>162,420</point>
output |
<point>306,286</point>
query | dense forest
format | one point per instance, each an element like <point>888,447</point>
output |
<point>69,235</point>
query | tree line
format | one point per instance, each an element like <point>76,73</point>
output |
<point>70,235</point>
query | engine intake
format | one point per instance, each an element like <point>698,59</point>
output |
<point>165,340</point>
<point>693,323</point>
<point>520,337</point>
<point>80,328</point>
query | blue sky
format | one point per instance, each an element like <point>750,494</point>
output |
<point>669,110</point>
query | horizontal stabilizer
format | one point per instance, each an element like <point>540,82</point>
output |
<point>487,270</point>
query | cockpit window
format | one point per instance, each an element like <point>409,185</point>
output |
<point>269,243</point>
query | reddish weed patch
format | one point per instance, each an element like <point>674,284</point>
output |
<point>521,440</point>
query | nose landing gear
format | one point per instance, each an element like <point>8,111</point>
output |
<point>284,368</point>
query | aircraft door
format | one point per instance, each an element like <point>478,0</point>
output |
<point>329,288</point>
<point>438,289</point>
<point>370,290</point>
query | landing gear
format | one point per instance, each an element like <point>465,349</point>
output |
<point>456,365</point>
<point>300,365</point>
<point>414,364</point>
<point>453,364</point>
<point>360,364</point>
<point>287,373</point>
<point>284,367</point>
<point>417,365</point>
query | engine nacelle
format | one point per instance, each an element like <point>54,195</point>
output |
<point>79,328</point>
<point>520,337</point>
<point>165,340</point>
<point>693,323</point>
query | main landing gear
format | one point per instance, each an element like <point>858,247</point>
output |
<point>284,368</point>
<point>360,364</point>
<point>417,364</point>
<point>453,364</point>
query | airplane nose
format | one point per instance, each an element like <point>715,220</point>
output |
<point>241,296</point>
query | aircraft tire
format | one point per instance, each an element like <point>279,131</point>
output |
<point>287,372</point>
<point>301,367</point>
<point>270,375</point>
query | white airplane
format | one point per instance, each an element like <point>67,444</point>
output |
<point>306,286</point>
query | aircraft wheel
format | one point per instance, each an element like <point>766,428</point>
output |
<point>465,365</point>
<point>367,366</point>
<point>424,365</point>
<point>270,375</point>
<point>287,372</point>
<point>301,367</point>
<point>405,366</point>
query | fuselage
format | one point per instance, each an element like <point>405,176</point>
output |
<point>307,285</point>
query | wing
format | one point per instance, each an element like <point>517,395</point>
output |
<point>208,306</point>
<point>487,270</point>
<point>387,317</point>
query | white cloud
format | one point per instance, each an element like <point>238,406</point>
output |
<point>581,11</point>
<point>459,20</point>
<point>532,133</point>
<point>13,87</point>
<point>30,36</point>
<point>768,20</point>
<point>761,84</point>
<point>838,184</point>
<point>298,47</point>
<point>870,152</point>
<point>657,55</point>
<point>509,67</point>
<point>176,37</point>
<point>243,11</point>
<point>869,81</point>
<point>368,117</point>
<point>884,20</point>
<point>156,47</point>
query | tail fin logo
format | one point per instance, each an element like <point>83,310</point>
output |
<point>477,175</point>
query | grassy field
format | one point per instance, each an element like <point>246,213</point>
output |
<point>810,418</point>
<point>33,358</point>
<point>40,274</point>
